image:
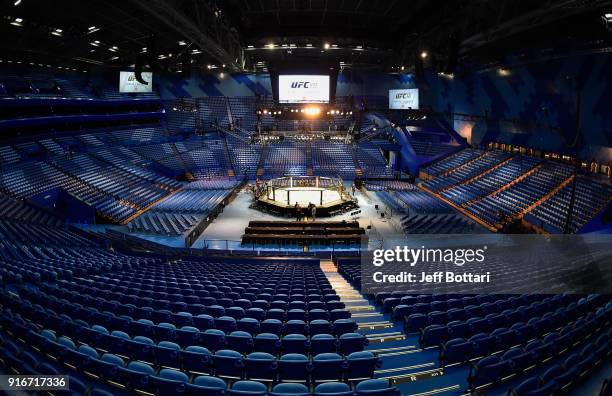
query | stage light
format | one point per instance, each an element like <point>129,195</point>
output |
<point>503,71</point>
<point>17,2</point>
<point>182,42</point>
<point>608,17</point>
<point>250,46</point>
<point>424,54</point>
<point>270,45</point>
<point>57,32</point>
<point>265,111</point>
<point>17,22</point>
<point>326,46</point>
<point>312,111</point>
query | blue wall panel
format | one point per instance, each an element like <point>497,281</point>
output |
<point>540,97</point>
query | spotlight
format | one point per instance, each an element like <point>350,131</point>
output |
<point>326,46</point>
<point>503,71</point>
<point>312,111</point>
<point>17,22</point>
<point>17,2</point>
<point>424,54</point>
<point>270,45</point>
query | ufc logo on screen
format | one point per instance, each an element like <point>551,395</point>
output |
<point>403,96</point>
<point>303,84</point>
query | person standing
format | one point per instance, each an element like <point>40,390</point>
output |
<point>313,212</point>
<point>298,212</point>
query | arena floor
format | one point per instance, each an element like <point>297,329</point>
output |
<point>229,226</point>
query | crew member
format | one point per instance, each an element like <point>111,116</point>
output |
<point>298,211</point>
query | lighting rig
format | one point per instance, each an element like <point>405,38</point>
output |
<point>304,112</point>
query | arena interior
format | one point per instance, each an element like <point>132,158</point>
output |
<point>188,188</point>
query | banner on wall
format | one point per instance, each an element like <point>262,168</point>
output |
<point>129,84</point>
<point>404,99</point>
<point>303,89</point>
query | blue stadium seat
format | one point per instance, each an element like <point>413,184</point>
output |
<point>135,376</point>
<point>413,323</point>
<point>240,341</point>
<point>260,366</point>
<point>167,354</point>
<point>361,365</point>
<point>375,387</point>
<point>352,342</point>
<point>296,326</point>
<point>290,389</point>
<point>169,382</point>
<point>328,367</point>
<point>267,342</point>
<point>196,359</point>
<point>520,359</point>
<point>295,343</point>
<point>274,326</point>
<point>206,386</point>
<point>333,389</point>
<point>323,343</point>
<point>249,388</point>
<point>213,339</point>
<point>228,364</point>
<point>433,335</point>
<point>488,370</point>
<point>188,335</point>
<point>250,325</point>
<point>294,367</point>
<point>456,350</point>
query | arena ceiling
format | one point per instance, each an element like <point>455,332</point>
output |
<point>248,34</point>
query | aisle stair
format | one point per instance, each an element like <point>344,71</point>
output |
<point>403,361</point>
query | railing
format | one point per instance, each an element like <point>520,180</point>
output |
<point>236,246</point>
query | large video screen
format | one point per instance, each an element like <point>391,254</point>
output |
<point>404,99</point>
<point>129,84</point>
<point>303,88</point>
